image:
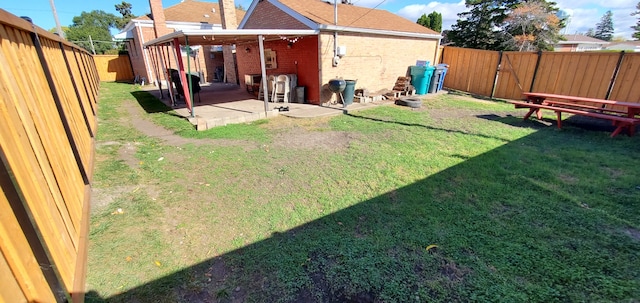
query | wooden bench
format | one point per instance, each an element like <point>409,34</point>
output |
<point>594,108</point>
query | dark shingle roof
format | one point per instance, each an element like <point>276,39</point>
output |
<point>321,12</point>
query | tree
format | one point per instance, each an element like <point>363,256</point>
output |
<point>432,21</point>
<point>436,21</point>
<point>590,33</point>
<point>604,28</point>
<point>485,25</point>
<point>54,30</point>
<point>636,28</point>
<point>94,24</point>
<point>424,20</point>
<point>125,10</point>
<point>479,27</point>
<point>533,26</point>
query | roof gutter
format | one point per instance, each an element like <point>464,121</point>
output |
<point>333,28</point>
<point>231,32</point>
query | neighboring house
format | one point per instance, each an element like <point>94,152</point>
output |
<point>187,15</point>
<point>627,46</point>
<point>579,43</point>
<point>373,46</point>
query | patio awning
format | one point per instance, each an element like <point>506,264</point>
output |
<point>224,37</point>
<point>228,36</point>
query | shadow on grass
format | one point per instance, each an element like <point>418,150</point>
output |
<point>152,105</point>
<point>510,225</point>
<point>423,126</point>
<point>575,122</point>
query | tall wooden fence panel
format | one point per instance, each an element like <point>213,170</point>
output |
<point>470,70</point>
<point>114,67</point>
<point>584,74</point>
<point>602,75</point>
<point>515,74</point>
<point>626,86</point>
<point>48,119</point>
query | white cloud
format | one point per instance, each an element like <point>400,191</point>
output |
<point>586,14</point>
<point>449,11</point>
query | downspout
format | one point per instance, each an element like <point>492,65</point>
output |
<point>435,56</point>
<point>144,53</point>
<point>335,34</point>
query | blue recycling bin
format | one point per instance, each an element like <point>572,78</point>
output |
<point>444,67</point>
<point>421,77</point>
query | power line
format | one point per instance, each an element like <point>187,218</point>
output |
<point>370,10</point>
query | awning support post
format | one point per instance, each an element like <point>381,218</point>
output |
<point>183,76</point>
<point>263,69</point>
<point>186,41</point>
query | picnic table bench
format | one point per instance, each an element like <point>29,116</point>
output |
<point>623,115</point>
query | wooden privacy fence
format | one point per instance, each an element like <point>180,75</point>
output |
<point>507,75</point>
<point>48,100</point>
<point>114,67</point>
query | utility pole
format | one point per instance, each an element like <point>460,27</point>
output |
<point>93,49</point>
<point>55,16</point>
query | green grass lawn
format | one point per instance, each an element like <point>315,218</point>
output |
<point>343,209</point>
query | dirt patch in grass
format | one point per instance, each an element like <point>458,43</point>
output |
<point>103,197</point>
<point>127,153</point>
<point>303,139</point>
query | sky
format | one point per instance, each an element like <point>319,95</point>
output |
<point>584,14</point>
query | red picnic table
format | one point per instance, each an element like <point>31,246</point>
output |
<point>623,115</point>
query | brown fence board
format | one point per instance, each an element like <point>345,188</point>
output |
<point>11,291</point>
<point>114,67</point>
<point>584,74</point>
<point>626,87</point>
<point>16,259</point>
<point>47,105</point>
<point>85,101</point>
<point>516,74</point>
<point>70,104</point>
<point>576,74</point>
<point>36,121</point>
<point>470,70</point>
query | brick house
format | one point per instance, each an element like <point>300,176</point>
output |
<point>579,43</point>
<point>373,46</point>
<point>187,15</point>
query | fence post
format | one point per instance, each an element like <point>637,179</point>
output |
<point>495,78</point>
<point>535,71</point>
<point>614,76</point>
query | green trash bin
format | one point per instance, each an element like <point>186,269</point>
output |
<point>349,92</point>
<point>421,77</point>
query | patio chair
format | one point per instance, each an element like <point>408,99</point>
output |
<point>281,90</point>
<point>271,82</point>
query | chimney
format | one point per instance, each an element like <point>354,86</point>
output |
<point>157,13</point>
<point>228,14</point>
<point>229,21</point>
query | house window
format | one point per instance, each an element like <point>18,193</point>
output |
<point>270,59</point>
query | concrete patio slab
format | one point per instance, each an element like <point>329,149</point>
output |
<point>220,104</point>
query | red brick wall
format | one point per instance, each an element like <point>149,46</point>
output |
<point>267,16</point>
<point>304,52</point>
